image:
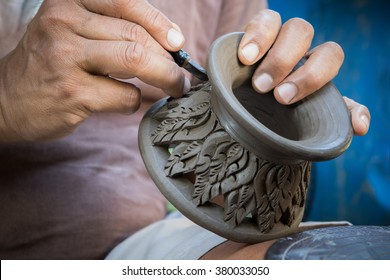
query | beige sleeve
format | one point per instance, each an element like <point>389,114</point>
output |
<point>235,14</point>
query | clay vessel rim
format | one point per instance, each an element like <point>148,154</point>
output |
<point>319,147</point>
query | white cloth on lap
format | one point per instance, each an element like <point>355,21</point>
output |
<point>173,238</point>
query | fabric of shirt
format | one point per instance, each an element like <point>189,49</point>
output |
<point>79,196</point>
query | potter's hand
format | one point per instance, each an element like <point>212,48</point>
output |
<point>61,71</point>
<point>286,46</point>
<point>360,116</point>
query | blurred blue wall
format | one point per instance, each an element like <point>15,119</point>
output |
<point>355,186</point>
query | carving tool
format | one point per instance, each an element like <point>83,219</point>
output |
<point>184,60</point>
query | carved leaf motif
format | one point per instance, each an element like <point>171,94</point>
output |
<point>276,185</point>
<point>239,204</point>
<point>210,162</point>
<point>185,120</point>
<point>184,129</point>
<point>230,171</point>
<point>300,196</point>
<point>192,106</point>
<point>183,159</point>
<point>243,172</point>
<point>270,192</point>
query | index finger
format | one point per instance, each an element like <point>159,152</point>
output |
<point>141,12</point>
<point>126,60</point>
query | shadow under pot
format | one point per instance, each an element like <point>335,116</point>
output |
<point>237,162</point>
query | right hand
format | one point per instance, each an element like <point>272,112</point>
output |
<point>64,67</point>
<point>282,47</point>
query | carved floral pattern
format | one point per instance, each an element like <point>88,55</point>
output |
<point>253,188</point>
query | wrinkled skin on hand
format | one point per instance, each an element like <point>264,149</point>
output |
<point>282,47</point>
<point>64,67</point>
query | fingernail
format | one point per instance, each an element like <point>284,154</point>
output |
<point>263,83</point>
<point>364,119</point>
<point>175,38</point>
<point>187,85</point>
<point>250,52</point>
<point>287,92</point>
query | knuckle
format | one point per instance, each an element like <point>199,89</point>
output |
<point>69,89</point>
<point>336,50</point>
<point>60,53</point>
<point>172,81</point>
<point>130,100</point>
<point>46,21</point>
<point>53,17</point>
<point>314,78</point>
<point>271,14</point>
<point>120,5</point>
<point>349,102</point>
<point>356,107</point>
<point>73,120</point>
<point>133,56</point>
<point>70,121</point>
<point>132,32</point>
<point>174,76</point>
<point>363,110</point>
<point>302,25</point>
<point>281,63</point>
<point>71,95</point>
<point>70,86</point>
<point>265,21</point>
<point>153,16</point>
<point>45,42</point>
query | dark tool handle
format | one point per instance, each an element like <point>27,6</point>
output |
<point>180,57</point>
<point>184,60</point>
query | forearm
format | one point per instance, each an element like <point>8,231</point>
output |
<point>6,133</point>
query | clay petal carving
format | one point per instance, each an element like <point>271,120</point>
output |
<point>252,188</point>
<point>278,193</point>
<point>239,204</point>
<point>186,122</point>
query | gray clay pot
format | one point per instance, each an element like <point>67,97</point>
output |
<point>235,161</point>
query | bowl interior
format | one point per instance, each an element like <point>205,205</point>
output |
<point>270,113</point>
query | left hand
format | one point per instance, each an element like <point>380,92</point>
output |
<point>282,48</point>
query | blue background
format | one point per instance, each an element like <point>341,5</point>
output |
<point>356,185</point>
